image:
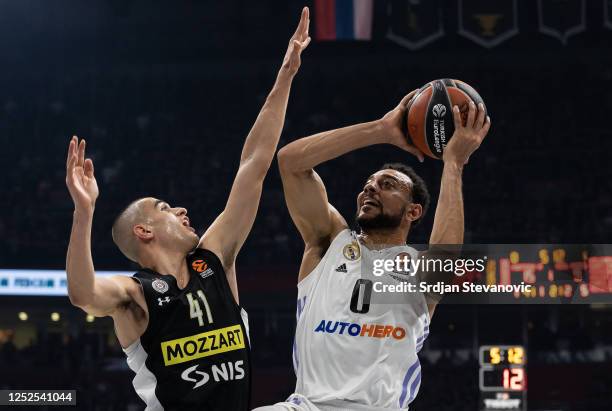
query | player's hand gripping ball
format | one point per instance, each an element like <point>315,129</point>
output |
<point>430,113</point>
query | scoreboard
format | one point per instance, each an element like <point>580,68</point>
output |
<point>581,273</point>
<point>546,273</point>
<point>502,378</point>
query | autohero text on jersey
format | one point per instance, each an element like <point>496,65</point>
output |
<point>202,345</point>
<point>361,330</point>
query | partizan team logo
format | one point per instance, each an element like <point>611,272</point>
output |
<point>352,252</point>
<point>160,286</point>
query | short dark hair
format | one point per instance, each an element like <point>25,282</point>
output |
<point>420,194</point>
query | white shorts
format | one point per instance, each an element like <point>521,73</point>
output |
<point>295,402</point>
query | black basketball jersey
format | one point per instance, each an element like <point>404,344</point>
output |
<point>194,353</point>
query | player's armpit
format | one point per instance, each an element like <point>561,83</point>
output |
<point>109,294</point>
<point>431,308</point>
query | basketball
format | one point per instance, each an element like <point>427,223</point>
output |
<point>430,115</point>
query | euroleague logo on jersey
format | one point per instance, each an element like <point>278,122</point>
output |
<point>201,267</point>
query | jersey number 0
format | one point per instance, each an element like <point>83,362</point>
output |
<point>362,292</point>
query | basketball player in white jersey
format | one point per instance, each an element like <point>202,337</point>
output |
<point>350,354</point>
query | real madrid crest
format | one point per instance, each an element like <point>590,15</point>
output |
<point>352,252</point>
<point>160,286</point>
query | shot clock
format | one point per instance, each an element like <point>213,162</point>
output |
<point>503,378</point>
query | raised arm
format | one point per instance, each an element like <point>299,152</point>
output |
<point>449,221</point>
<point>448,227</point>
<point>97,296</point>
<point>318,221</point>
<point>229,231</point>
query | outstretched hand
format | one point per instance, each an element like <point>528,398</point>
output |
<point>395,126</point>
<point>298,42</point>
<point>466,139</point>
<point>80,177</point>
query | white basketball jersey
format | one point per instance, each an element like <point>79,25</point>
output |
<point>355,348</point>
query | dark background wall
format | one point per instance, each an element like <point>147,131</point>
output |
<point>165,93</point>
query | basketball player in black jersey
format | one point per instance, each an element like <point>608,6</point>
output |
<point>178,318</point>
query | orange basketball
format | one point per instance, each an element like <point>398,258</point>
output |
<point>430,115</point>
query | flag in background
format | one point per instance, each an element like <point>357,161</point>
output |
<point>343,19</point>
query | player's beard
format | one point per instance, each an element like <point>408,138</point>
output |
<point>382,221</point>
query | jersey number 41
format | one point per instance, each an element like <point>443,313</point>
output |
<point>194,308</point>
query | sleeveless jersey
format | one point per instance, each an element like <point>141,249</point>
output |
<point>354,349</point>
<point>194,353</point>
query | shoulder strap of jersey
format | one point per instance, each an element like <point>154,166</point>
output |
<point>202,259</point>
<point>343,237</point>
<point>146,278</point>
<point>207,255</point>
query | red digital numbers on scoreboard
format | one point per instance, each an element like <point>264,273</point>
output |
<point>503,379</point>
<point>564,272</point>
<point>507,379</point>
<point>600,274</point>
<point>514,379</point>
<point>502,368</point>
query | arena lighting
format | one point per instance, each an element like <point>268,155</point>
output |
<point>55,316</point>
<point>23,316</point>
<point>39,283</point>
<point>90,318</point>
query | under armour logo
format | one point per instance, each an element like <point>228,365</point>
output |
<point>161,301</point>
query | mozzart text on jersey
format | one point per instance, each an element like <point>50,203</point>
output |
<point>202,345</point>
